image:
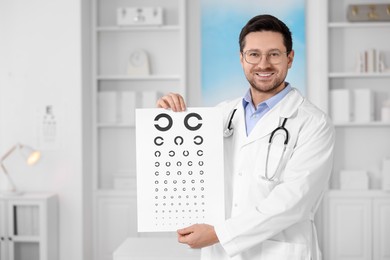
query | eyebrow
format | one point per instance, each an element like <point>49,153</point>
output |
<point>274,49</point>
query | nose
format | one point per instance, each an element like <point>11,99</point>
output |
<point>263,63</point>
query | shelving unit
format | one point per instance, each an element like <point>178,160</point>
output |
<point>112,46</point>
<point>116,95</point>
<point>29,227</point>
<point>345,41</point>
<point>353,221</point>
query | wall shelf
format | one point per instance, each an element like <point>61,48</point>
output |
<point>114,125</point>
<point>359,75</point>
<point>130,77</point>
<point>358,25</point>
<point>116,193</point>
<point>357,124</point>
<point>357,193</point>
<point>137,28</point>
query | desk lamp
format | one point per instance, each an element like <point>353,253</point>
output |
<point>30,155</point>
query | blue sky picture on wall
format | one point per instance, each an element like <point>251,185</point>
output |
<point>222,20</point>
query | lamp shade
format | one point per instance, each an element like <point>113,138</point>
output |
<point>30,155</point>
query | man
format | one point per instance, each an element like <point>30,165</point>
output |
<point>277,162</point>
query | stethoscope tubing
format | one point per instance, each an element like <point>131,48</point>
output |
<point>229,132</point>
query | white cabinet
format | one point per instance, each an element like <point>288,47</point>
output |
<point>381,228</point>
<point>357,225</point>
<point>116,221</point>
<point>350,228</point>
<point>361,145</point>
<point>116,218</point>
<point>29,227</point>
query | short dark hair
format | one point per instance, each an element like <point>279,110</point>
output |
<point>266,22</point>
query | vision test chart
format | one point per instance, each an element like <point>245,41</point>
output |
<point>180,179</point>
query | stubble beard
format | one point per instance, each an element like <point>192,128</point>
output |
<point>267,88</point>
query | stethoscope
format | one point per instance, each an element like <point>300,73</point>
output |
<point>229,132</point>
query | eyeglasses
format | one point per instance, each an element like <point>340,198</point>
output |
<point>273,57</point>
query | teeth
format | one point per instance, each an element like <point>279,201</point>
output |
<point>264,74</point>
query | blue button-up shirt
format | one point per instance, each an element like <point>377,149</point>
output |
<point>253,115</point>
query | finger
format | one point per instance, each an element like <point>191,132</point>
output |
<point>182,104</point>
<point>175,102</point>
<point>161,103</point>
<point>185,231</point>
<point>183,236</point>
<point>183,239</point>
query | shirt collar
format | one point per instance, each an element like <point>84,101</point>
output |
<point>271,102</point>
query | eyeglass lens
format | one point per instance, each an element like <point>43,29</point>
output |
<point>273,57</point>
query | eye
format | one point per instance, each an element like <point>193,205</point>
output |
<point>253,54</point>
<point>274,54</point>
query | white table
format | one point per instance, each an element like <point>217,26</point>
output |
<point>146,248</point>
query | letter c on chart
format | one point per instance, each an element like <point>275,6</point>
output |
<point>198,140</point>
<point>163,128</point>
<point>187,125</point>
<point>178,140</point>
<point>158,140</point>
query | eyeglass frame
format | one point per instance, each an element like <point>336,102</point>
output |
<point>267,55</point>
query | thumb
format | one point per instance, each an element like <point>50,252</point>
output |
<point>185,231</point>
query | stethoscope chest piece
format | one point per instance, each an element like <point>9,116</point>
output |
<point>228,132</point>
<point>229,128</point>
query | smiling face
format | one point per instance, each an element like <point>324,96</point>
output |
<point>266,79</point>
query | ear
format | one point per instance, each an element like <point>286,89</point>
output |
<point>290,58</point>
<point>241,59</point>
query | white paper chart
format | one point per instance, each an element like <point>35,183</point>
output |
<point>180,178</point>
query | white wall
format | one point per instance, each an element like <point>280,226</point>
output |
<point>40,64</point>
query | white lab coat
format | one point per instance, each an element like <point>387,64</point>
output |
<point>265,220</point>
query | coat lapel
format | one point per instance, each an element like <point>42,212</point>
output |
<point>271,120</point>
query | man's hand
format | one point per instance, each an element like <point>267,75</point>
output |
<point>173,101</point>
<point>198,235</point>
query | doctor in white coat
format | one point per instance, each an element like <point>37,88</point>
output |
<point>278,158</point>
